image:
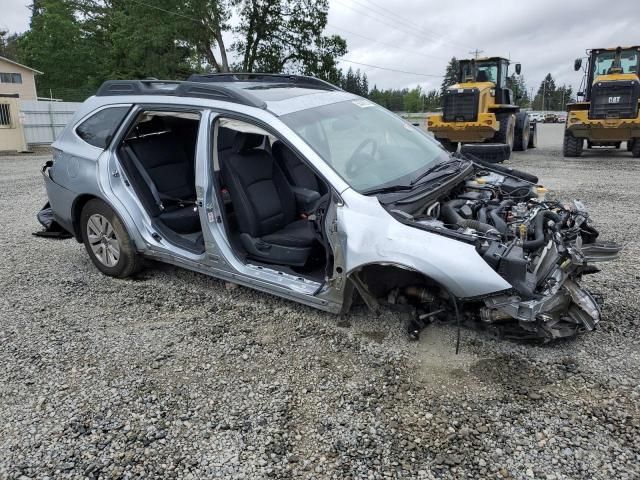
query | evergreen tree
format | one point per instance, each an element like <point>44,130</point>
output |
<point>10,45</point>
<point>364,86</point>
<point>546,92</point>
<point>517,84</point>
<point>450,75</point>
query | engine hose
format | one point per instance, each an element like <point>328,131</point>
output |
<point>538,239</point>
<point>482,215</point>
<point>450,215</point>
<point>510,172</point>
<point>495,213</point>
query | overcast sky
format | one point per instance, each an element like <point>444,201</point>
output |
<point>420,36</point>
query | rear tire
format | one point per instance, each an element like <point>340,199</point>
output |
<point>107,242</point>
<point>635,148</point>
<point>448,144</point>
<point>629,145</point>
<point>572,146</point>
<point>533,135</point>
<point>522,132</point>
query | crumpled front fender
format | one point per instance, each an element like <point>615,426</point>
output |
<point>370,235</point>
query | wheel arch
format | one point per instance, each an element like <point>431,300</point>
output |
<point>375,280</point>
<point>76,211</point>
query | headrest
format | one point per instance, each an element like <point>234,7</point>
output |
<point>279,148</point>
<point>246,141</point>
<point>226,136</point>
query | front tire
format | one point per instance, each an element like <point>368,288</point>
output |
<point>635,148</point>
<point>449,145</point>
<point>572,146</point>
<point>107,242</point>
<point>506,133</point>
<point>522,132</point>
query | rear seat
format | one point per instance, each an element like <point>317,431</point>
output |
<point>168,174</point>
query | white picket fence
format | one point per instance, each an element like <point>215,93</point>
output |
<point>43,121</point>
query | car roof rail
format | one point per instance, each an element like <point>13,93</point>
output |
<point>225,93</point>
<point>264,78</point>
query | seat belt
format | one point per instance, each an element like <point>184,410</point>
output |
<point>145,177</point>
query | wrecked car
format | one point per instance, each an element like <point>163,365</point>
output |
<point>291,186</point>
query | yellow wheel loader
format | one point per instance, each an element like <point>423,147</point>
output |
<point>608,113</point>
<point>480,113</point>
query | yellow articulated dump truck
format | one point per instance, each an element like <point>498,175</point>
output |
<point>608,113</point>
<point>480,113</point>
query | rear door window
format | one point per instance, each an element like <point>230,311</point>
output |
<point>98,129</point>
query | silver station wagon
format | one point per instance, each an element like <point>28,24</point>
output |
<point>289,185</point>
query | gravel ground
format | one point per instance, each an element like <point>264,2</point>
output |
<point>173,375</point>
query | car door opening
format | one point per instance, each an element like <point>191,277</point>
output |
<point>158,155</point>
<point>271,200</point>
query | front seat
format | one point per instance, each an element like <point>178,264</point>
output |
<point>482,76</point>
<point>298,172</point>
<point>265,205</point>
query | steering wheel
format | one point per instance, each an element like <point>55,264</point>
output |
<point>360,159</point>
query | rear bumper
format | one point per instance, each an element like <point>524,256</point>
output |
<point>483,129</point>
<point>60,198</point>
<point>612,130</point>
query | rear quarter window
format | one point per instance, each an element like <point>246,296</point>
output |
<point>98,129</point>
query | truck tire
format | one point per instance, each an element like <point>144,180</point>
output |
<point>487,152</point>
<point>448,144</point>
<point>533,135</point>
<point>522,132</point>
<point>635,148</point>
<point>572,146</point>
<point>506,133</point>
<point>107,242</point>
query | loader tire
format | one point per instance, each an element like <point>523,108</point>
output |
<point>635,148</point>
<point>522,132</point>
<point>506,133</point>
<point>533,135</point>
<point>487,152</point>
<point>572,146</point>
<point>448,144</point>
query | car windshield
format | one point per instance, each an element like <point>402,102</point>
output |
<point>604,62</point>
<point>368,146</point>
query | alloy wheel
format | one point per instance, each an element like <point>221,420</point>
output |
<point>103,240</point>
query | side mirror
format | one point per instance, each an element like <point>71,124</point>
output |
<point>577,64</point>
<point>518,68</point>
<point>580,94</point>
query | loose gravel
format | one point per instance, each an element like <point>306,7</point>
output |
<point>174,375</point>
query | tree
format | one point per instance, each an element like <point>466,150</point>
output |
<point>519,88</point>
<point>542,100</point>
<point>10,45</point>
<point>450,75</point>
<point>56,45</point>
<point>80,43</point>
<point>364,86</point>
<point>412,100</point>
